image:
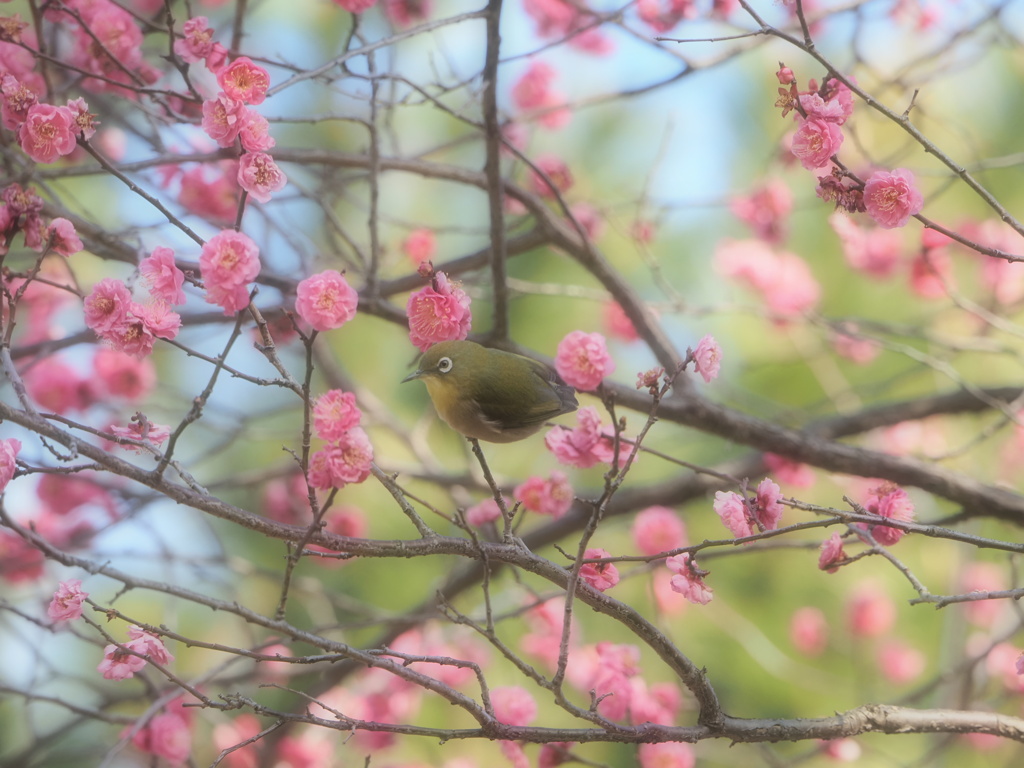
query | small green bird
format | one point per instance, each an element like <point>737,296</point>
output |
<point>492,395</point>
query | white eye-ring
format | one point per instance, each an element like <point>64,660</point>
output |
<point>444,364</point>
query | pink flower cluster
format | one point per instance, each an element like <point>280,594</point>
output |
<point>197,44</point>
<point>782,279</point>
<point>586,445</point>
<point>325,300</point>
<point>167,735</point>
<point>552,496</point>
<point>891,198</point>
<point>575,22</point>
<point>66,604</point>
<point>532,92</point>
<point>348,455</point>
<point>583,361</point>
<point>663,15</point>
<point>688,579</point>
<point>107,43</point>
<point>745,517</point>
<point>657,530</point>
<point>119,664</point>
<point>420,245</point>
<point>707,358</point>
<point>438,312</point>
<point>601,576</point>
<point>140,430</point>
<point>892,503</point>
<point>226,118</point>
<point>9,449</point>
<point>819,136</point>
<point>21,211</point>
<point>228,262</point>
<point>127,325</point>
<point>765,210</point>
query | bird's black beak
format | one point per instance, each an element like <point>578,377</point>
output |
<point>411,376</point>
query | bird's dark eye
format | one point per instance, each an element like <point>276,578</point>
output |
<point>444,364</point>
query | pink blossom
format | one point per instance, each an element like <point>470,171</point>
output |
<point>616,665</point>
<point>586,445</point>
<point>197,42</point>
<point>19,560</point>
<point>148,644</point>
<point>167,735</point>
<point>617,322</point>
<point>58,387</point>
<point>870,612</point>
<point>562,19</point>
<point>141,430</point>
<point>848,343</point>
<point>819,109</point>
<point>552,496</point>
<point>222,119</point>
<point>842,750</point>
<point>660,703</point>
<point>121,375</point>
<point>688,579</point>
<point>356,6</point>
<point>228,261</point>
<point>254,132</point>
<point>231,734</point>
<point>666,754</point>
<point>875,252</point>
<point>782,278</point>
<point>657,530</point>
<point>663,15</point>
<point>85,121</point>
<point>405,12</point>
<point>259,175</point>
<point>808,631</point>
<point>889,501</point>
<point>118,664</point>
<point>831,553</point>
<point>732,508</point>
<point>931,273</point>
<point>163,276</point>
<point>791,472</point>
<point>438,312</point>
<point>63,239</point>
<point>553,754</point>
<point>420,245</point>
<point>768,508</point>
<point>18,98</point>
<point>325,300</point>
<point>815,142</point>
<point>1019,664</point>
<point>9,449</point>
<point>214,199</point>
<point>583,361</point>
<point>158,318</point>
<point>107,306</point>
<point>513,705</point>
<point>892,198</point>
<point>245,81</point>
<point>532,92</point>
<point>557,173</point>
<point>707,358</point>
<point>67,601</point>
<point>347,460</point>
<point>47,133</point>
<point>601,576</point>
<point>900,663</point>
<point>765,210</point>
<point>334,413</point>
<point>482,513</point>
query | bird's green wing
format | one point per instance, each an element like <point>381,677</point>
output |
<point>523,395</point>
